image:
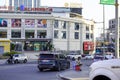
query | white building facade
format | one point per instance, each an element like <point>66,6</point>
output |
<point>33,28</point>
<point>33,32</point>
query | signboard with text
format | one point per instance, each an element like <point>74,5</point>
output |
<point>107,2</point>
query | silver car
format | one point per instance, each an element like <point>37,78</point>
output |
<point>19,58</point>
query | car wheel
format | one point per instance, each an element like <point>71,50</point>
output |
<point>16,61</point>
<point>40,69</point>
<point>58,67</point>
<point>25,61</point>
<point>68,65</point>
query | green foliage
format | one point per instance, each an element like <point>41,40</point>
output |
<point>12,46</point>
<point>9,53</point>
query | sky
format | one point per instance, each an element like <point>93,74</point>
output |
<point>91,10</point>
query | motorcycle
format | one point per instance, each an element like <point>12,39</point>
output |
<point>10,61</point>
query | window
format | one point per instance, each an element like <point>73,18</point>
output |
<point>92,27</point>
<point>76,26</point>
<point>30,4</point>
<point>63,24</point>
<point>87,28</point>
<point>41,23</point>
<point>29,34</point>
<point>16,22</point>
<point>29,23</point>
<point>87,35</point>
<point>16,34</point>
<point>16,4</point>
<point>63,34</point>
<point>76,35</point>
<point>35,3</point>
<point>3,22</point>
<point>10,2</point>
<point>56,24</point>
<point>55,33</point>
<point>41,33</point>
<point>3,34</point>
<point>20,2</point>
<point>25,3</point>
<point>91,35</point>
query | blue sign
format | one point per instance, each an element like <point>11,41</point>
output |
<point>22,8</point>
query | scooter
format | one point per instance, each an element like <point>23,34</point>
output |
<point>10,61</point>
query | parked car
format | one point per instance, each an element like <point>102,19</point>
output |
<point>89,56</point>
<point>98,58</point>
<point>109,56</point>
<point>53,61</point>
<point>74,55</point>
<point>105,70</point>
<point>17,58</point>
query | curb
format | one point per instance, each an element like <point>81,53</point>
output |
<point>66,78</point>
<point>63,78</point>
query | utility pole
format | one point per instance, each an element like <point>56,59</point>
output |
<point>103,29</point>
<point>116,30</point>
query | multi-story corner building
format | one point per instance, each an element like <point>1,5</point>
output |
<point>26,3</point>
<point>112,30</point>
<point>35,29</point>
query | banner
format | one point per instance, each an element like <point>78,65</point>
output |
<point>107,2</point>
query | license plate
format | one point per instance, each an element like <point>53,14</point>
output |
<point>45,60</point>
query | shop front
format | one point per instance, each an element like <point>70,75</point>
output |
<point>32,44</point>
<point>4,46</point>
<point>88,47</point>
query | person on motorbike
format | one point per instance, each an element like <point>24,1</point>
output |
<point>10,60</point>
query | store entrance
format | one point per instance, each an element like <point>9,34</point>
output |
<point>36,45</point>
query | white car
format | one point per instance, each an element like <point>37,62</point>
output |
<point>105,70</point>
<point>74,55</point>
<point>89,56</point>
<point>20,58</point>
<point>109,56</point>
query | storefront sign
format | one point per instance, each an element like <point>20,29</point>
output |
<point>88,45</point>
<point>22,8</point>
<point>34,9</point>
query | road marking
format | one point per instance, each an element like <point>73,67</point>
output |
<point>79,79</point>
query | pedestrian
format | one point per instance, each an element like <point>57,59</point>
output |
<point>78,64</point>
<point>73,63</point>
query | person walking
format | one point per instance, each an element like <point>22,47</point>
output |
<point>73,63</point>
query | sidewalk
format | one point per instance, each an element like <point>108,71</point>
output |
<point>3,61</point>
<point>76,75</point>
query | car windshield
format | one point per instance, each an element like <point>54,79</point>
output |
<point>98,57</point>
<point>46,56</point>
<point>16,55</point>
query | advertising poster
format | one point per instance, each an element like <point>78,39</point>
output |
<point>16,22</point>
<point>29,23</point>
<point>3,22</point>
<point>42,23</point>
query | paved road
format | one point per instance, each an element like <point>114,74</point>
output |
<point>29,71</point>
<point>26,72</point>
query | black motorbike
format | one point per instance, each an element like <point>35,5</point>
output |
<point>10,61</point>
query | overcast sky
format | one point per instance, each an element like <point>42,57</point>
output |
<point>91,10</point>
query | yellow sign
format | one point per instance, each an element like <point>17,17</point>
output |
<point>73,5</point>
